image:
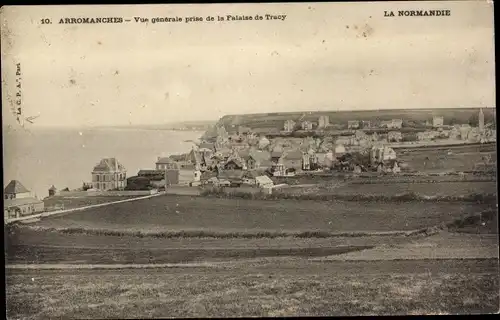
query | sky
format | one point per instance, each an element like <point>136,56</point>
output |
<point>325,56</point>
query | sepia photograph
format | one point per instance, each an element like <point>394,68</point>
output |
<point>249,160</point>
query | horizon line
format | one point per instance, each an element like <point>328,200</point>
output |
<point>239,114</point>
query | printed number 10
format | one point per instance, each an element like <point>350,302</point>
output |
<point>46,21</point>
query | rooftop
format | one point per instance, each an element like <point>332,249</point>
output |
<point>15,187</point>
<point>8,203</point>
<point>109,165</point>
<point>164,160</point>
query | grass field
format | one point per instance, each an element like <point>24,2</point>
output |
<point>442,189</point>
<point>174,213</point>
<point>277,288</point>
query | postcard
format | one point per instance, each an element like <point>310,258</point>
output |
<point>249,160</point>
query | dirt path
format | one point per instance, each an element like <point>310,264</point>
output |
<point>443,245</point>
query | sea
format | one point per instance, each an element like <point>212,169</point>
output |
<point>65,157</point>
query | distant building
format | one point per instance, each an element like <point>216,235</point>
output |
<point>109,174</point>
<point>481,120</point>
<point>366,124</point>
<point>52,191</point>
<point>323,122</point>
<point>306,125</point>
<point>353,124</point>
<point>437,122</point>
<point>381,154</point>
<point>18,201</point>
<point>289,125</point>
<point>392,124</point>
<point>426,135</point>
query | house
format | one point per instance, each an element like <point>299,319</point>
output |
<point>426,135</point>
<point>289,125</point>
<point>15,190</point>
<point>249,177</point>
<point>366,124</point>
<point>276,156</point>
<point>345,140</point>
<point>263,142</point>
<point>437,122</point>
<point>109,174</point>
<point>306,125</point>
<point>20,207</point>
<point>380,154</point>
<point>339,150</point>
<point>353,124</point>
<point>18,201</point>
<point>166,163</point>
<point>394,136</point>
<point>234,161</point>
<point>206,147</point>
<point>258,159</point>
<point>292,159</point>
<point>323,122</point>
<point>264,182</point>
<point>235,177</point>
<point>392,124</point>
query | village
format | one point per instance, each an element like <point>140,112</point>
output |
<point>253,162</point>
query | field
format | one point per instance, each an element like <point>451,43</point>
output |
<point>462,158</point>
<point>440,189</point>
<point>184,213</point>
<point>344,253</point>
<point>274,288</point>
